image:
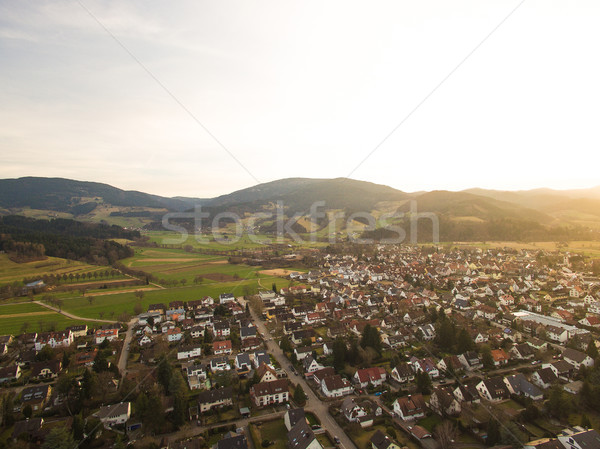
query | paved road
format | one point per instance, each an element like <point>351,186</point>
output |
<point>70,315</point>
<point>122,365</point>
<point>313,403</point>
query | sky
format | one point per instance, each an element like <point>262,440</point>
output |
<point>198,98</point>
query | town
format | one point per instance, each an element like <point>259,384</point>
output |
<point>373,347</point>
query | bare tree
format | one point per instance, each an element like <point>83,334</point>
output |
<point>445,434</point>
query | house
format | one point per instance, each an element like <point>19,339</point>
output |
<point>221,329</point>
<point>174,334</point>
<point>500,357</point>
<point>321,374</point>
<point>410,407</point>
<point>144,340</point>
<point>189,352</point>
<point>222,347</point>
<point>54,339</point>
<point>537,344</point>
<point>310,365</point>
<point>46,370</point>
<point>225,298</point>
<point>105,334</point>
<point>260,357</point>
<point>303,352</point>
<point>450,364</point>
<point>379,440</point>
<point>370,376</point>
<point>36,396</point>
<point>425,365</point>
<point>32,428</point>
<point>577,358</point>
<point>443,402</point>
<point>210,399</point>
<point>522,351</point>
<point>243,363</point>
<point>470,360</point>
<point>266,373</point>
<point>111,415</point>
<point>247,332</point>
<point>197,331</point>
<point>544,378</point>
<point>519,385</point>
<point>352,411</point>
<point>467,393</point>
<point>270,393</point>
<point>493,389</point>
<point>557,334</point>
<point>219,364</point>
<point>562,369</point>
<point>591,321</point>
<point>427,332</point>
<point>232,441</point>
<point>579,438</point>
<point>301,436</point>
<point>292,416</point>
<point>79,330</point>
<point>10,373</point>
<point>403,373</point>
<point>335,387</point>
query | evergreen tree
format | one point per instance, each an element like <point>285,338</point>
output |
<point>299,395</point>
<point>339,354</point>
<point>423,382</point>
<point>493,432</point>
<point>464,342</point>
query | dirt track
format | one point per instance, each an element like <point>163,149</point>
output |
<point>276,272</point>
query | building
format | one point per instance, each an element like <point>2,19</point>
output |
<point>301,436</point>
<point>379,440</point>
<point>111,415</point>
<point>218,398</point>
<point>36,397</point>
<point>577,358</point>
<point>105,334</point>
<point>335,387</point>
<point>370,376</point>
<point>222,347</point>
<point>54,339</point>
<point>410,407</point>
<point>403,373</point>
<point>493,389</point>
<point>579,438</point>
<point>270,393</point>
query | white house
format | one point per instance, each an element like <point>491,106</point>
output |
<point>114,414</point>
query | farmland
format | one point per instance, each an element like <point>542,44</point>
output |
<point>12,272</point>
<point>186,276</point>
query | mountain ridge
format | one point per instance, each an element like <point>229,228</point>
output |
<point>101,202</point>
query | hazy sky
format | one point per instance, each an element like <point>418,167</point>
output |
<point>300,89</point>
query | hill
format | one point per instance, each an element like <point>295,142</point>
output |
<point>466,215</point>
<point>77,197</point>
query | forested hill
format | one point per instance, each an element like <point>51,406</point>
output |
<point>27,238</point>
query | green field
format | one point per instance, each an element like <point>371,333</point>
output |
<point>37,323</point>
<point>124,302</point>
<point>24,307</point>
<point>11,271</point>
<point>231,243</point>
<point>173,265</point>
